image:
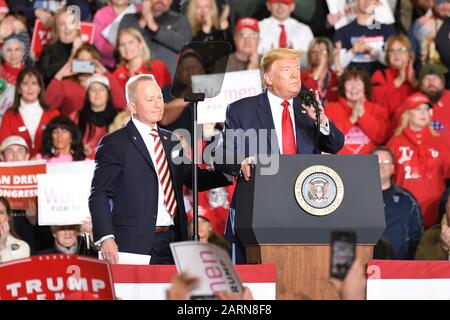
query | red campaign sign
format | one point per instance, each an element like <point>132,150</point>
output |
<point>18,183</point>
<point>42,36</point>
<point>56,277</point>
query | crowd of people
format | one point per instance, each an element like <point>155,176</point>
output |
<point>384,86</point>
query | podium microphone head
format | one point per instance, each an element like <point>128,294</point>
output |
<point>308,98</point>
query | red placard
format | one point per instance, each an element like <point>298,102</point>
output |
<point>42,36</point>
<point>56,277</point>
<point>18,182</point>
<point>87,32</point>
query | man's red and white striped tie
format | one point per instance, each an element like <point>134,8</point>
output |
<point>164,174</point>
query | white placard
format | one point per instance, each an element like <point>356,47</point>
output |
<point>383,12</point>
<point>111,31</point>
<point>130,258</point>
<point>86,167</point>
<point>209,263</point>
<point>236,85</point>
<point>63,198</point>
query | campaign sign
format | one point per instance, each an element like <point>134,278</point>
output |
<point>62,203</point>
<point>56,277</point>
<point>236,85</point>
<point>347,10</point>
<point>18,182</point>
<point>43,35</point>
<point>209,263</point>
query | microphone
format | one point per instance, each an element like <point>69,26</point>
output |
<point>308,98</point>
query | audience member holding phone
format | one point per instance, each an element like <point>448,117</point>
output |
<point>67,90</point>
<point>62,47</point>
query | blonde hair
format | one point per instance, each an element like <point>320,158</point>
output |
<point>130,87</point>
<point>119,119</point>
<point>328,44</point>
<point>146,54</point>
<point>195,25</point>
<point>270,57</point>
<point>58,13</point>
<point>404,123</point>
<point>404,41</point>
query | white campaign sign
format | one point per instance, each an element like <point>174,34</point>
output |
<point>383,12</point>
<point>63,198</point>
<point>209,263</point>
<point>111,31</point>
<point>236,85</point>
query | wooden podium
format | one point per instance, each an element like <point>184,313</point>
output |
<point>275,229</point>
<point>303,272</point>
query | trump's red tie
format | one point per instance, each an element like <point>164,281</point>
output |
<point>287,130</point>
<point>162,168</point>
<point>282,42</point>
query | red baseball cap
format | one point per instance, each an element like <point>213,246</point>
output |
<point>282,1</point>
<point>415,100</point>
<point>204,213</point>
<point>247,22</point>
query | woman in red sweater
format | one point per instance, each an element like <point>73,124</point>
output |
<point>29,113</point>
<point>394,84</point>
<point>13,52</point>
<point>67,90</point>
<point>135,59</point>
<point>319,75</point>
<point>422,157</point>
<point>97,114</point>
<point>363,122</point>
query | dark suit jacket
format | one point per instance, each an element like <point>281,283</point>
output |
<point>254,113</point>
<point>124,193</point>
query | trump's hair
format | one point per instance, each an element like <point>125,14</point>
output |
<point>276,54</point>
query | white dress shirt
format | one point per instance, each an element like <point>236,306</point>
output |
<point>298,35</point>
<point>163,216</point>
<point>277,116</point>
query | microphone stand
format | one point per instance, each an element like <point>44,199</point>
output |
<point>195,98</point>
<point>317,135</point>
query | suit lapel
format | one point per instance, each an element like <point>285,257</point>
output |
<point>265,116</point>
<point>136,138</point>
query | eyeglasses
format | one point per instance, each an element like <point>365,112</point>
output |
<point>401,50</point>
<point>384,162</point>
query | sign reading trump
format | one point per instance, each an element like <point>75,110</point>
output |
<point>56,277</point>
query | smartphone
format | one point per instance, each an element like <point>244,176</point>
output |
<point>81,66</point>
<point>343,250</point>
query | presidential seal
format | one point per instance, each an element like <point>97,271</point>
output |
<point>319,190</point>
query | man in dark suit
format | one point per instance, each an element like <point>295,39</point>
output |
<point>136,199</point>
<point>273,122</point>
